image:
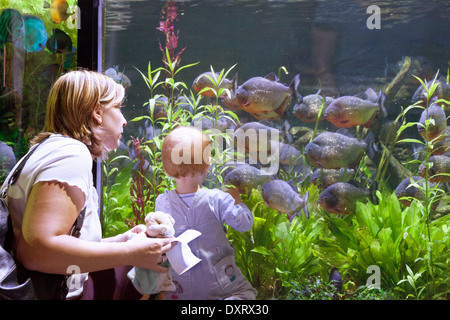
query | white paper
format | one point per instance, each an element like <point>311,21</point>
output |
<point>180,256</point>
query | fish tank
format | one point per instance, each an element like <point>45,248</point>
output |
<point>356,96</point>
<point>340,106</point>
<point>40,40</point>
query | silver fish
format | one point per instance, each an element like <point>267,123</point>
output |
<point>407,189</point>
<point>341,197</point>
<point>435,129</point>
<point>246,177</point>
<point>442,90</point>
<point>204,81</point>
<point>266,98</point>
<point>332,150</point>
<point>439,171</point>
<point>326,177</point>
<point>281,196</point>
<point>309,108</point>
<point>255,136</point>
<point>351,111</point>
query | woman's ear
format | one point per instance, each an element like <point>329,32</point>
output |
<point>98,114</point>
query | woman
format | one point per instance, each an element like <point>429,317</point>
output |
<point>83,122</point>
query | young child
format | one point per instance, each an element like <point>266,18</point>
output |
<point>186,157</point>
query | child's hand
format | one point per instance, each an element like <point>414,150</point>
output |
<point>234,192</point>
<point>159,224</point>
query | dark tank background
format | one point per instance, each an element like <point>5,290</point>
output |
<point>261,36</point>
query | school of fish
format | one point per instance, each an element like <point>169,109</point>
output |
<point>330,159</point>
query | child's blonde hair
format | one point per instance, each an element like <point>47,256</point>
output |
<point>185,152</point>
<point>71,103</point>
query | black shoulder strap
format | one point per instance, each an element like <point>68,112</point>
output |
<point>19,168</point>
<point>76,228</point>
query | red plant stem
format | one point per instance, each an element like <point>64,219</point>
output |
<point>170,14</point>
<point>139,189</point>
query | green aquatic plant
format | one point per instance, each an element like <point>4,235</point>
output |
<point>316,125</point>
<point>282,68</point>
<point>116,195</point>
<point>431,193</point>
<point>279,258</point>
<point>318,288</point>
<point>411,279</point>
<point>171,69</point>
<point>275,252</point>
<point>390,238</point>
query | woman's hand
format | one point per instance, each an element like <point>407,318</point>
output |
<point>147,252</point>
<point>126,235</point>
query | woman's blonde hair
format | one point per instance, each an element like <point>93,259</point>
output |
<point>71,103</point>
<point>185,152</point>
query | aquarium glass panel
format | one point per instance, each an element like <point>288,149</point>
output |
<point>343,103</point>
<point>38,42</point>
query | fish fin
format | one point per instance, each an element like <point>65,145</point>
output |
<point>234,82</point>
<point>304,207</point>
<point>272,77</point>
<point>285,129</point>
<point>265,122</point>
<point>286,126</point>
<point>359,95</point>
<point>380,102</point>
<point>371,148</point>
<point>305,202</point>
<point>345,132</point>
<point>294,86</point>
<point>281,111</point>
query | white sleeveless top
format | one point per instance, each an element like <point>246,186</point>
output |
<point>59,158</point>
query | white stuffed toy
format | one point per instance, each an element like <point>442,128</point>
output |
<point>159,225</point>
